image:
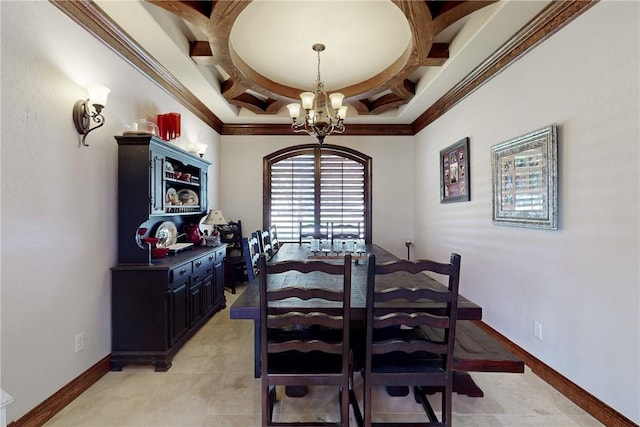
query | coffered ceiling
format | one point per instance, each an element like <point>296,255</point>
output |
<point>400,63</point>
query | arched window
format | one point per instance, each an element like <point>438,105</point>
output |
<point>312,185</point>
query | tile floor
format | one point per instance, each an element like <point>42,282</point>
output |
<point>211,384</point>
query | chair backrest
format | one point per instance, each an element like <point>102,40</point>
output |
<point>345,231</point>
<point>251,255</point>
<point>381,314</point>
<point>312,283</point>
<point>265,243</point>
<point>273,234</point>
<point>308,231</point>
<point>231,234</point>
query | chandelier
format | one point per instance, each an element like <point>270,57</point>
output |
<point>321,118</point>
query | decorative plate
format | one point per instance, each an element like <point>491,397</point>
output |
<point>167,233</point>
<point>188,198</point>
<point>171,197</point>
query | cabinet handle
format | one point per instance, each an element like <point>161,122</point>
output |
<point>211,257</point>
<point>198,264</point>
<point>184,270</point>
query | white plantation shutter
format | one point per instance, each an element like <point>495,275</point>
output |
<point>341,190</point>
<point>313,186</point>
<point>292,194</point>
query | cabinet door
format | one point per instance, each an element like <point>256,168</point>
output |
<point>178,311</point>
<point>209,294</point>
<point>196,301</point>
<point>157,183</point>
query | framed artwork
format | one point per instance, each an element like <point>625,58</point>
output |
<point>525,180</point>
<point>454,173</point>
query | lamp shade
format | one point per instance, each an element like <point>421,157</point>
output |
<point>336,100</point>
<point>215,217</point>
<point>342,112</point>
<point>98,95</point>
<point>294,110</point>
<point>307,100</point>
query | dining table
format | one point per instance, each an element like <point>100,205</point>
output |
<point>247,306</point>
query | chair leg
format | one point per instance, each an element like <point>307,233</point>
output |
<point>421,398</point>
<point>447,405</point>
<point>367,403</point>
<point>272,402</point>
<point>354,402</point>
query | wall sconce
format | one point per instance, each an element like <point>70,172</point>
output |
<point>197,148</point>
<point>83,114</point>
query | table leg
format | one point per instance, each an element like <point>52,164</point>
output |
<point>464,384</point>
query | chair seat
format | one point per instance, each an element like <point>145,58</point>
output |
<point>399,362</point>
<point>299,363</point>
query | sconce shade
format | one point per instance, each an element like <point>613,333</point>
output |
<point>98,95</point>
<point>215,217</point>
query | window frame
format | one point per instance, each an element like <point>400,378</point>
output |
<point>317,151</point>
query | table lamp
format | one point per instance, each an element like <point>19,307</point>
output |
<point>215,218</point>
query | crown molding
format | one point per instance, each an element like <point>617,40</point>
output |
<point>92,18</point>
<point>351,130</point>
<point>550,20</point>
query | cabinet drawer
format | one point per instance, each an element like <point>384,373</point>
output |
<point>203,266</point>
<point>220,254</point>
<point>179,272</point>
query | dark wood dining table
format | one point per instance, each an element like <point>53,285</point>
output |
<point>247,305</point>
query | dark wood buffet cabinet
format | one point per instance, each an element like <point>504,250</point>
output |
<point>158,304</point>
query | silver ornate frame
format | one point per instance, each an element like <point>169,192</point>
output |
<point>525,180</point>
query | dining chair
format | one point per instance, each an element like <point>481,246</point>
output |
<point>345,231</point>
<point>273,235</point>
<point>265,243</point>
<point>305,348</point>
<point>251,256</point>
<point>308,231</point>
<point>405,345</point>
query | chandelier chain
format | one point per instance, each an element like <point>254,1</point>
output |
<point>318,79</point>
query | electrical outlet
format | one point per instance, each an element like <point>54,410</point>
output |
<point>79,342</point>
<point>537,329</point>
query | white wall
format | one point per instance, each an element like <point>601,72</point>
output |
<point>59,199</point>
<point>393,186</point>
<point>581,281</point>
